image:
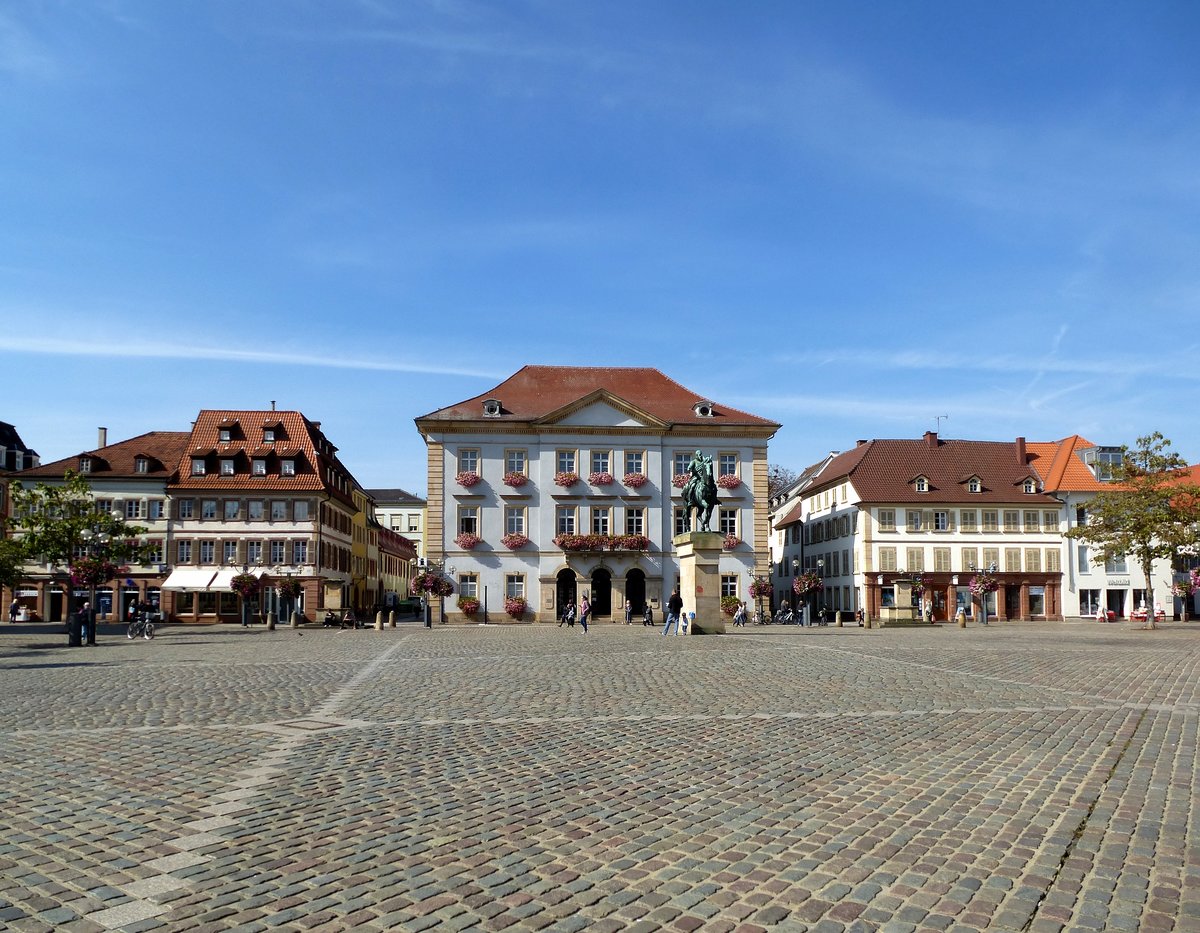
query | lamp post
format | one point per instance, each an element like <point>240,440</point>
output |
<point>795,574</point>
<point>95,541</point>
<point>434,567</point>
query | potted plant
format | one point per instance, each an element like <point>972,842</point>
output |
<point>731,541</point>
<point>245,585</point>
<point>566,479</point>
<point>514,541</point>
<point>468,605</point>
<point>430,583</point>
<point>729,604</point>
<point>630,543</point>
<point>600,478</point>
<point>729,481</point>
<point>467,540</point>
<point>760,587</point>
<point>467,478</point>
<point>515,479</point>
<point>515,606</point>
<point>635,480</point>
<point>288,588</point>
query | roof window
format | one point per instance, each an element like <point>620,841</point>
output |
<point>492,408</point>
<point>703,409</point>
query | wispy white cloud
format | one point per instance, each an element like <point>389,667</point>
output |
<point>146,349</point>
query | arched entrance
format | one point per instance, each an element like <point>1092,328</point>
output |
<point>564,590</point>
<point>601,593</point>
<point>635,591</point>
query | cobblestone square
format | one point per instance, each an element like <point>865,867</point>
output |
<point>1017,777</point>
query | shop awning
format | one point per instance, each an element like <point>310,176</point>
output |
<point>189,578</point>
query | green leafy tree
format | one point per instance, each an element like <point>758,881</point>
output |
<point>11,563</point>
<point>1150,512</point>
<point>59,525</point>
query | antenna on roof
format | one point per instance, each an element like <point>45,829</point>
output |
<point>937,422</point>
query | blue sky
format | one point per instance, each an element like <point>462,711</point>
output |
<point>852,218</point>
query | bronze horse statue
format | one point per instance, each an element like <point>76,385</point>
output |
<point>700,493</point>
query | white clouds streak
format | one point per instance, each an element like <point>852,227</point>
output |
<point>183,351</point>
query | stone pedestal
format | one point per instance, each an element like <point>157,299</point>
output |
<point>700,580</point>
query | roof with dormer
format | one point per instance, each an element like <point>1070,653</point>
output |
<point>1062,468</point>
<point>272,436</point>
<point>885,470</point>
<point>160,449</point>
<point>545,393</point>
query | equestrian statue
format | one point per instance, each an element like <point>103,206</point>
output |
<point>700,493</point>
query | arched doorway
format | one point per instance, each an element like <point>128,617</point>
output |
<point>601,593</point>
<point>635,591</point>
<point>564,589</point>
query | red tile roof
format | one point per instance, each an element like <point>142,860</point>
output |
<point>535,392</point>
<point>295,438</point>
<point>883,471</point>
<point>162,450</point>
<point>1061,467</point>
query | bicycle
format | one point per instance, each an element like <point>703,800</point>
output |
<point>141,626</point>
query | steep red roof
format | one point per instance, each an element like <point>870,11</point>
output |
<point>162,450</point>
<point>885,471</point>
<point>295,438</point>
<point>1061,467</point>
<point>537,391</point>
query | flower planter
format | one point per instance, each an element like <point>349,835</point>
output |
<point>467,479</point>
<point>515,480</point>
<point>729,481</point>
<point>635,480</point>
<point>467,541</point>
<point>566,479</point>
<point>600,479</point>
<point>514,542</point>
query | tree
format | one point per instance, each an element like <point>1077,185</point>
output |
<point>1151,511</point>
<point>11,561</point>
<point>61,526</point>
<point>779,478</point>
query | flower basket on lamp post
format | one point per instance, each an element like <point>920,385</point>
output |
<point>981,584</point>
<point>246,585</point>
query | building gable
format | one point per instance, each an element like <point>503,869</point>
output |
<point>601,409</point>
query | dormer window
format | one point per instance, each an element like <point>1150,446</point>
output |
<point>259,467</point>
<point>268,435</point>
<point>921,484</point>
<point>703,409</point>
<point>224,435</point>
<point>141,465</point>
<point>287,467</point>
<point>85,464</point>
<point>974,484</point>
<point>492,408</point>
<point>198,466</point>
<point>1030,486</point>
<point>227,468</point>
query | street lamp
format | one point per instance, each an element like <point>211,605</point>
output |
<point>95,541</point>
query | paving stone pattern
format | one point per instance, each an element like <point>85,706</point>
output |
<point>1016,777</point>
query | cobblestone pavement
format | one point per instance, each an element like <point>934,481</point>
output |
<point>1016,777</point>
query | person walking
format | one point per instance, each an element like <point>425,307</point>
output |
<point>739,616</point>
<point>87,624</point>
<point>585,609</point>
<point>14,609</point>
<point>674,608</point>
<point>628,612</point>
<point>647,616</point>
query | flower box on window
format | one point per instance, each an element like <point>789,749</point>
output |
<point>515,479</point>
<point>731,542</point>
<point>514,541</point>
<point>729,481</point>
<point>468,605</point>
<point>467,541</point>
<point>679,480</point>
<point>467,478</point>
<point>566,479</point>
<point>635,480</point>
<point>600,478</point>
<point>729,604</point>
<point>515,606</point>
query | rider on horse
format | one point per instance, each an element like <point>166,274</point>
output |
<point>700,493</point>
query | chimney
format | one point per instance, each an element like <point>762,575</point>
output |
<point>103,437</point>
<point>1021,459</point>
<point>931,439</point>
<point>272,404</point>
<point>860,442</point>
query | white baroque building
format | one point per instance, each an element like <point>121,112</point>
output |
<point>559,483</point>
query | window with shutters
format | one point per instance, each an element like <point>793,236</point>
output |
<point>970,558</point>
<point>1032,521</point>
<point>1012,560</point>
<point>1053,560</point>
<point>968,520</point>
<point>991,557</point>
<point>991,520</point>
<point>1012,520</point>
<point>941,521</point>
<point>1033,560</point>
<point>916,559</point>
<point>887,559</point>
<point>887,519</point>
<point>913,517</point>
<point>941,560</point>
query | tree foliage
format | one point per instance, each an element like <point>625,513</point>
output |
<point>52,523</point>
<point>779,478</point>
<point>1150,512</point>
<point>11,560</point>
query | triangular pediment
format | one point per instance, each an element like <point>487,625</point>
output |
<point>601,409</point>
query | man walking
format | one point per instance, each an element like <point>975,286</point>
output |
<point>674,608</point>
